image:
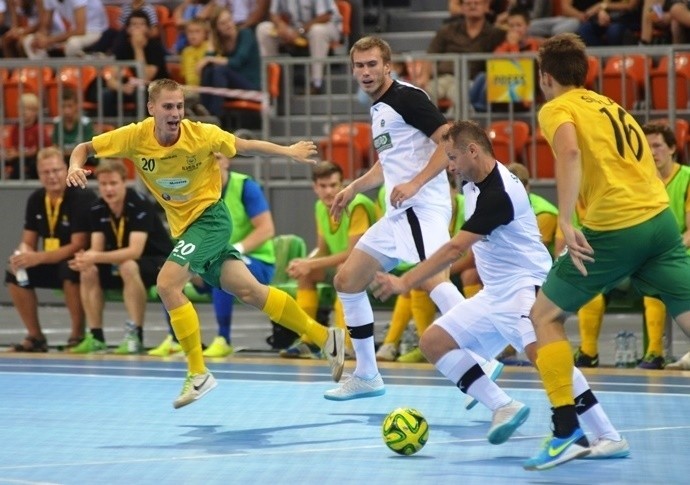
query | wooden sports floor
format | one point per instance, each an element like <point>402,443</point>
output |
<point>110,420</point>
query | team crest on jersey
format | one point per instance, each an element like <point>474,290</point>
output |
<point>383,123</point>
<point>383,142</point>
<point>192,163</point>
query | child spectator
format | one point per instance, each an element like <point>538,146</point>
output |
<point>196,31</point>
<point>26,138</point>
<point>70,128</point>
<point>188,10</point>
<point>516,41</point>
<point>148,9</point>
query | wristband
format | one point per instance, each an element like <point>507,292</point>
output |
<point>239,247</point>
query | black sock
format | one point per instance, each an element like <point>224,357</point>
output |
<point>140,334</point>
<point>564,421</point>
<point>98,334</point>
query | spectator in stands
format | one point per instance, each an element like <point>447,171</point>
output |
<point>24,20</point>
<point>3,9</point>
<point>614,24</point>
<point>656,19</point>
<point>70,128</point>
<point>133,44</point>
<point>188,10</point>
<point>472,34</point>
<point>535,8</point>
<point>573,13</point>
<point>232,61</point>
<point>55,227</point>
<point>148,9</point>
<point>198,46</point>
<point>26,138</point>
<point>87,19</point>
<point>129,245</point>
<point>252,236</point>
<point>316,23</point>
<point>679,17</point>
<point>334,242</point>
<point>517,40</point>
<point>247,13</point>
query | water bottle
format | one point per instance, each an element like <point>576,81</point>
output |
<point>620,349</point>
<point>21,275</point>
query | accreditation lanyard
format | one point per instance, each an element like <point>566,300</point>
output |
<point>52,214</point>
<point>119,231</point>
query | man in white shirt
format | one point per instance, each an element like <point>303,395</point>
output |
<point>87,19</point>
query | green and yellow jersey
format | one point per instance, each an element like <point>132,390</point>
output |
<point>185,177</point>
<point>619,186</point>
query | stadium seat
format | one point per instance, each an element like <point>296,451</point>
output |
<point>78,78</point>
<point>541,163</point>
<point>287,247</point>
<point>24,80</point>
<point>114,12</point>
<point>659,82</point>
<point>348,146</point>
<point>624,78</point>
<point>593,68</point>
<point>509,140</point>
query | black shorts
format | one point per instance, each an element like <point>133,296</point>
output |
<point>47,276</point>
<point>149,267</point>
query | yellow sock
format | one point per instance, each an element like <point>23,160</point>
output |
<point>469,291</point>
<point>402,312</point>
<point>283,309</point>
<point>339,321</point>
<point>555,364</point>
<point>590,317</point>
<point>423,310</point>
<point>655,320</point>
<point>308,300</point>
<point>185,323</point>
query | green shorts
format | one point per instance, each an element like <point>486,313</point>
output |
<point>651,254</point>
<point>205,245</point>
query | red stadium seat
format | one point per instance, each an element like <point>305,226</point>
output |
<point>624,78</point>
<point>659,82</point>
<point>509,140</point>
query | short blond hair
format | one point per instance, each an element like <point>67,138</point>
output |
<point>111,165</point>
<point>159,85</point>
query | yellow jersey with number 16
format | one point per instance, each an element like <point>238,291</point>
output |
<point>619,187</point>
<point>185,177</point>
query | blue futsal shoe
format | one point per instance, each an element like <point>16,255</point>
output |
<point>559,450</point>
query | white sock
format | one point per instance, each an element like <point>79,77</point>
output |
<point>446,295</point>
<point>456,363</point>
<point>358,312</point>
<point>595,418</point>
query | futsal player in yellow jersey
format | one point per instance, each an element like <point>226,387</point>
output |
<point>175,159</point>
<point>603,158</point>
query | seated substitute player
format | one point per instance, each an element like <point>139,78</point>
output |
<point>129,245</point>
<point>501,228</point>
<point>175,159</point>
<point>334,242</point>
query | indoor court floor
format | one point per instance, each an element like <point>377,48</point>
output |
<point>109,420</point>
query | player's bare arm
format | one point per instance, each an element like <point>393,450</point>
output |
<point>302,151</point>
<point>371,179</point>
<point>76,174</point>
<point>437,163</point>
<point>386,284</point>
<point>568,176</point>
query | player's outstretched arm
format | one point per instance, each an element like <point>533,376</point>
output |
<point>302,151</point>
<point>371,179</point>
<point>387,285</point>
<point>76,175</point>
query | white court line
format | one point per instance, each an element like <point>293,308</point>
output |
<point>321,383</point>
<point>262,453</point>
<point>221,372</point>
<point>25,482</point>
